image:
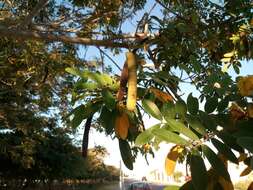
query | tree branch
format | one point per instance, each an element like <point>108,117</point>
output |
<point>109,58</point>
<point>32,35</point>
<point>171,11</point>
<point>33,13</point>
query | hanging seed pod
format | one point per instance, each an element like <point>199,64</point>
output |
<point>132,81</point>
<point>123,82</point>
<point>122,126</point>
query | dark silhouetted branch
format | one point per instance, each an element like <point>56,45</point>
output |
<point>40,5</point>
<point>13,33</point>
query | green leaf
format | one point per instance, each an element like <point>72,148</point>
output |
<point>207,121</point>
<point>225,150</point>
<point>215,162</point>
<point>79,116</point>
<point>223,104</point>
<point>168,110</point>
<point>169,137</point>
<point>230,141</point>
<point>177,126</point>
<point>76,72</point>
<point>192,104</point>
<point>172,187</point>
<point>244,129</point>
<point>141,92</point>
<point>211,104</point>
<point>98,78</point>
<point>151,108</point>
<point>146,136</point>
<point>73,71</point>
<point>236,69</point>
<point>126,154</point>
<point>198,172</point>
<point>87,85</point>
<point>246,142</point>
<point>181,108</point>
<point>107,79</point>
<point>108,98</point>
<point>107,119</point>
<point>83,112</point>
<point>195,123</point>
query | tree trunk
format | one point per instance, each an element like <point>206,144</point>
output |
<point>86,136</point>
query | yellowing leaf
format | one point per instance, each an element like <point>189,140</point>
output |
<point>145,47</point>
<point>214,178</point>
<point>236,112</point>
<point>226,184</point>
<point>146,147</point>
<point>235,38</point>
<point>226,59</point>
<point>230,54</point>
<point>122,126</point>
<point>171,159</point>
<point>245,85</point>
<point>250,186</point>
<point>250,110</point>
<point>246,171</point>
<point>225,67</point>
<point>162,96</point>
<point>242,157</point>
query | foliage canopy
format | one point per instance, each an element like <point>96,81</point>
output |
<point>195,42</point>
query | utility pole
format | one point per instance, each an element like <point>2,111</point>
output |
<point>121,177</point>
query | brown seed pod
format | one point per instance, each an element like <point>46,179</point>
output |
<point>122,126</point>
<point>123,82</point>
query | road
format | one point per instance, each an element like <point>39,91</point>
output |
<point>116,186</point>
<point>154,186</point>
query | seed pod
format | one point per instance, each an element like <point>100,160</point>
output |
<point>122,126</point>
<point>123,82</point>
<point>160,95</point>
<point>250,110</point>
<point>132,81</point>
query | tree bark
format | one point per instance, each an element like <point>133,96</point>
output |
<point>13,33</point>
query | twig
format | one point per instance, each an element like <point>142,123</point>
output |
<point>43,36</point>
<point>102,60</point>
<point>109,58</point>
<point>173,12</point>
<point>152,8</point>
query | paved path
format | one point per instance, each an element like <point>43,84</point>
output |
<point>154,186</point>
<point>116,186</point>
